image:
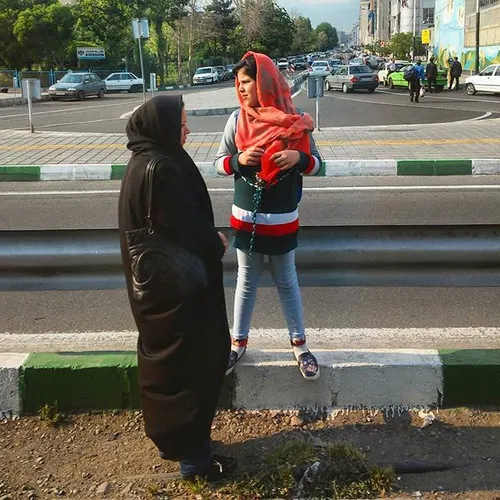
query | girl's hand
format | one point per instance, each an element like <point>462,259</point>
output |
<point>286,159</point>
<point>251,157</point>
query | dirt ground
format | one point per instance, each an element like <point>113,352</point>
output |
<point>106,455</point>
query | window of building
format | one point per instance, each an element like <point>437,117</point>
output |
<point>428,15</point>
<point>484,4</point>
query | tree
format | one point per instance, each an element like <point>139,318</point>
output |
<point>32,28</point>
<point>279,32</point>
<point>401,44</point>
<point>107,22</point>
<point>223,21</point>
<point>303,39</point>
<point>331,35</point>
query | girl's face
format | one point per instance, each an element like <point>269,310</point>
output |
<point>184,127</point>
<point>247,89</point>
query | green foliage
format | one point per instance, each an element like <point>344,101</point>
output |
<point>51,415</point>
<point>401,44</point>
<point>327,37</point>
<point>304,37</point>
<point>222,21</point>
<point>43,33</point>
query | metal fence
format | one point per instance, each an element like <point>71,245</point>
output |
<point>327,256</point>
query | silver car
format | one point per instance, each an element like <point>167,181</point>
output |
<point>351,78</point>
<point>78,86</point>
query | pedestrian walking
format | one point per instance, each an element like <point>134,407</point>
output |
<point>267,145</point>
<point>456,72</point>
<point>431,72</point>
<point>184,342</point>
<point>414,76</point>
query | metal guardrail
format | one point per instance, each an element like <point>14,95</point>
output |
<point>327,256</point>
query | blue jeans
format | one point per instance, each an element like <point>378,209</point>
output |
<point>285,276</point>
<point>196,461</point>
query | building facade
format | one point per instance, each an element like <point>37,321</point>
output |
<point>405,14</point>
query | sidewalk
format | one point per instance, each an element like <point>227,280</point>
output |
<point>383,150</point>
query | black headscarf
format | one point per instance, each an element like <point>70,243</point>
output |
<point>155,128</point>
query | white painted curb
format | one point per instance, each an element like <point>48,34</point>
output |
<point>351,168</point>
<point>10,400</point>
<point>486,167</point>
<point>353,379</point>
<point>97,172</point>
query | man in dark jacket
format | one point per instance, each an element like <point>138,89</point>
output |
<point>456,73</point>
<point>431,72</point>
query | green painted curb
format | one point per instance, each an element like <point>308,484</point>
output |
<point>434,167</point>
<point>117,172</point>
<point>12,173</point>
<point>322,170</point>
<point>80,381</point>
<point>89,381</point>
<point>471,377</point>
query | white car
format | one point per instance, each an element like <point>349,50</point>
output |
<point>283,64</point>
<point>123,81</point>
<point>320,68</point>
<point>208,74</point>
<point>486,81</point>
<point>384,70</point>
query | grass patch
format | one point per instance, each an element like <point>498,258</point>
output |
<point>50,414</point>
<point>298,469</point>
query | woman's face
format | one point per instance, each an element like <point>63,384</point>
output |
<point>247,89</point>
<point>184,127</point>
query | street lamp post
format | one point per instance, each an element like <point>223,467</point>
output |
<point>413,40</point>
<point>478,26</point>
<point>140,28</point>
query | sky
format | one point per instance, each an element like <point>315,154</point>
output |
<point>339,13</point>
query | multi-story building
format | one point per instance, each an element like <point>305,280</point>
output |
<point>382,20</point>
<point>405,15</point>
<point>364,35</point>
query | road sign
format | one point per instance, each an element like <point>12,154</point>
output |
<point>94,53</point>
<point>140,28</point>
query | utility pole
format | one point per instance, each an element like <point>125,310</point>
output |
<point>413,40</point>
<point>478,26</point>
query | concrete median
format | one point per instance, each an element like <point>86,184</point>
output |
<point>385,379</point>
<point>330,168</point>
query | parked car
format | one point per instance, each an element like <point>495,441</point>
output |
<point>123,81</point>
<point>208,74</point>
<point>396,79</point>
<point>223,73</point>
<point>230,68</point>
<point>78,86</point>
<point>487,80</point>
<point>351,78</point>
<point>383,70</point>
<point>320,68</point>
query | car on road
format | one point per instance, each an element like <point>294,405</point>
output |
<point>351,78</point>
<point>207,74</point>
<point>123,81</point>
<point>383,70</point>
<point>300,64</point>
<point>320,68</point>
<point>223,73</point>
<point>78,86</point>
<point>230,68</point>
<point>396,79</point>
<point>487,80</point>
<point>283,64</point>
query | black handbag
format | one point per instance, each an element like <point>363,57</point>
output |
<point>162,271</point>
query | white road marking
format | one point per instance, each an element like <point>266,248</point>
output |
<point>420,105</point>
<point>427,95</point>
<point>64,111</point>
<point>273,338</point>
<point>326,189</point>
<point>128,114</point>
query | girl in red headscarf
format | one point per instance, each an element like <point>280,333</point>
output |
<point>267,145</point>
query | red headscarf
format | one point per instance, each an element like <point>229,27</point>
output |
<point>275,124</point>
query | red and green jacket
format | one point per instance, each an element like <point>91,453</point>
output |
<point>277,215</point>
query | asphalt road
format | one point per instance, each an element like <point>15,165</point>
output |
<point>326,201</point>
<point>385,107</point>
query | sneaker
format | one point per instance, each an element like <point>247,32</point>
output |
<point>235,356</point>
<point>308,365</point>
<point>218,470</point>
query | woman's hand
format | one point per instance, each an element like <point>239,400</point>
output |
<point>251,157</point>
<point>224,241</point>
<point>286,159</point>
